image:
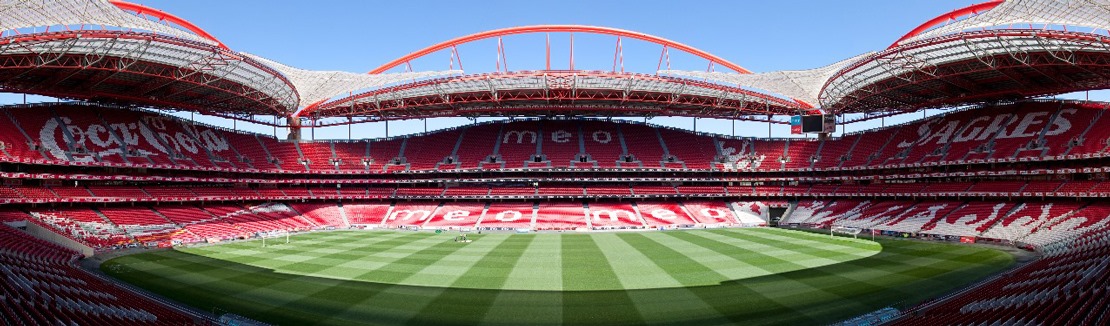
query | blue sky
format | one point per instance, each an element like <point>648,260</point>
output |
<point>358,36</point>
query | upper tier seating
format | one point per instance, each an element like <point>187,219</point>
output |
<point>1033,130</point>
<point>644,144</point>
<point>696,152</point>
<point>251,152</point>
<point>517,146</point>
<point>16,144</point>
<point>353,155</point>
<point>387,154</point>
<point>477,145</point>
<point>318,154</point>
<point>602,142</point>
<point>800,153</point>
<point>424,152</point>
<point>561,143</point>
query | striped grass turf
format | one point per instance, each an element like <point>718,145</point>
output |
<point>718,276</point>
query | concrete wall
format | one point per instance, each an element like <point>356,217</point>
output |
<point>48,235</point>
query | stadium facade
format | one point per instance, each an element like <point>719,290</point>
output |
<point>106,169</point>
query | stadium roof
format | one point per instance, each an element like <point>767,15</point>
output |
<point>988,52</point>
<point>992,51</point>
<point>804,85</point>
<point>124,52</point>
<point>109,50</point>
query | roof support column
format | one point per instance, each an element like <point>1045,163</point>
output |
<point>294,128</point>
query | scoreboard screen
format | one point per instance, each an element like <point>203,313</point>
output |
<point>813,124</point>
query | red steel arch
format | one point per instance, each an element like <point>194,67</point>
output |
<point>969,10</point>
<point>162,15</point>
<point>560,29</point>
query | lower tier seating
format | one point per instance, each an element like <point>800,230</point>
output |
<point>41,286</point>
<point>1033,222</point>
<point>1067,287</point>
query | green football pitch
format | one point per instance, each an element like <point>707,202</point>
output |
<point>718,276</point>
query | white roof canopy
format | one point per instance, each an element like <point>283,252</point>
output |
<point>1094,14</point>
<point>315,86</point>
<point>59,15</point>
<point>92,14</point>
<point>804,85</point>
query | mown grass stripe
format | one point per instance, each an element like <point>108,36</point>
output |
<point>679,268</point>
<point>827,282</point>
<point>539,267</point>
<point>801,256</point>
<point>318,263</point>
<point>905,270</point>
<point>294,288</point>
<point>774,287</point>
<point>412,258</point>
<point>639,271</point>
<point>585,269</point>
<point>205,294</point>
<point>804,239</point>
<point>487,272</point>
<point>746,253</point>
<point>448,269</point>
<point>733,267</point>
<point>299,250</point>
<point>334,301</point>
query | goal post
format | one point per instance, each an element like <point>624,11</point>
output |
<point>854,231</point>
<point>274,234</point>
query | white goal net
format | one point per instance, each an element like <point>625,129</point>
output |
<point>854,232</point>
<point>274,237</point>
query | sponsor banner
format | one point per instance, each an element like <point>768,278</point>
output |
<point>151,136</point>
<point>938,132</point>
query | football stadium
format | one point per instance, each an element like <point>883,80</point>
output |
<point>155,175</point>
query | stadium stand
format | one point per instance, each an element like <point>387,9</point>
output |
<point>944,139</point>
<point>997,165</point>
<point>321,214</point>
<point>664,215</point>
<point>319,156</point>
<point>561,216</point>
<point>508,216</point>
<point>560,144</point>
<point>609,216</point>
<point>456,216</point>
<point>1066,287</point>
<point>43,287</point>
